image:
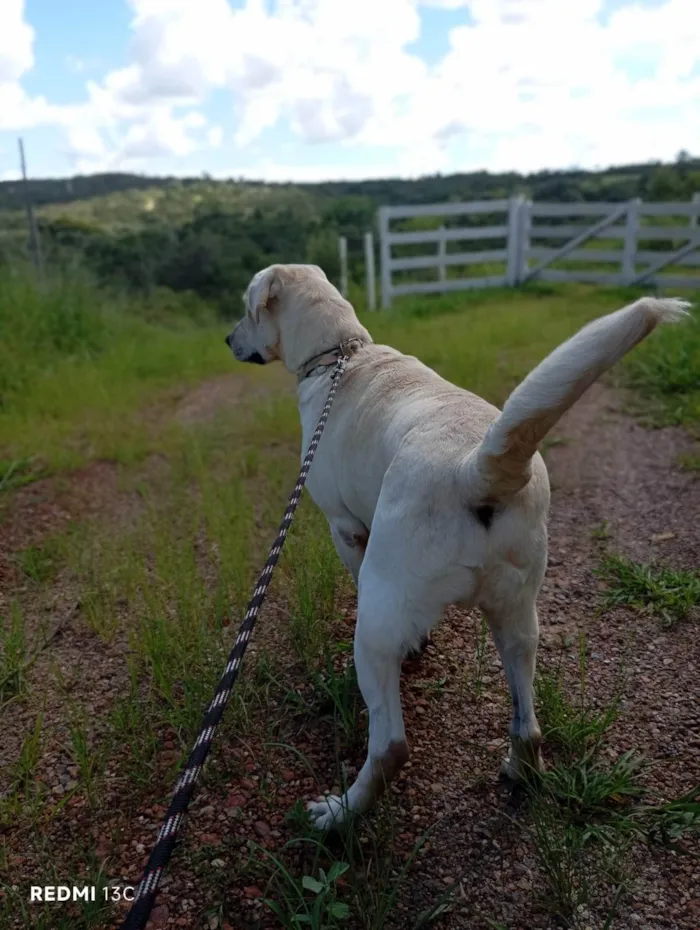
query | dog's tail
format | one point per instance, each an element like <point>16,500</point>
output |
<point>501,465</point>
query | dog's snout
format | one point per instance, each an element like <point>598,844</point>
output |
<point>229,340</point>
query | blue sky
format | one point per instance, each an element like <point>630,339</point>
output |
<point>318,89</point>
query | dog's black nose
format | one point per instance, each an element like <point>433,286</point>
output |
<point>228,340</point>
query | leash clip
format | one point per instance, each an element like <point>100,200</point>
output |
<point>339,367</point>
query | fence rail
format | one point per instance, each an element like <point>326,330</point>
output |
<point>541,241</point>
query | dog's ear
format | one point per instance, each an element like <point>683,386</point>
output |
<point>263,288</point>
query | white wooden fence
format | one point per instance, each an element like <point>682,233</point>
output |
<point>525,248</point>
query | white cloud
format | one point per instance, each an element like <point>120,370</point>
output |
<point>17,111</point>
<point>326,67</point>
<point>444,4</point>
<point>215,136</point>
<point>536,82</point>
<point>539,83</point>
<point>525,84</point>
<point>16,41</point>
<point>87,140</point>
<point>154,134</point>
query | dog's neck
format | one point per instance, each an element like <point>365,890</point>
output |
<point>313,332</point>
<point>329,357</point>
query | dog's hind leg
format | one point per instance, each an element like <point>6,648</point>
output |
<point>516,633</point>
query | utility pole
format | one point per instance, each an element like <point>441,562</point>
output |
<point>34,240</point>
<point>369,272</point>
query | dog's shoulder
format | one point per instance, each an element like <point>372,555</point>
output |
<point>390,366</point>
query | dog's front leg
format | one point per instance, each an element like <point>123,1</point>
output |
<point>378,664</point>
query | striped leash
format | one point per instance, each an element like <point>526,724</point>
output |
<point>147,890</point>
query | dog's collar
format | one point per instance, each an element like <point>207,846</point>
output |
<point>324,359</point>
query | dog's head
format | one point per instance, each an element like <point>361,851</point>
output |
<point>292,313</point>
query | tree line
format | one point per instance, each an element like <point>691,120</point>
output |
<point>214,249</point>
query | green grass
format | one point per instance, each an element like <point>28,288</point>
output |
<point>586,817</point>
<point>666,372</point>
<point>84,409</point>
<point>589,810</point>
<point>338,694</point>
<point>689,462</point>
<point>87,759</point>
<point>602,531</point>
<point>591,789</point>
<point>579,867</point>
<point>25,796</point>
<point>316,579</point>
<point>39,563</point>
<point>576,810</point>
<point>575,726</point>
<point>18,472</point>
<point>13,657</point>
<point>672,595</point>
<point>312,902</point>
<point>76,363</point>
<point>174,585</point>
<point>355,874</point>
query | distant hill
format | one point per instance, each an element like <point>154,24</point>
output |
<point>615,183</point>
<point>64,190</point>
<point>208,236</point>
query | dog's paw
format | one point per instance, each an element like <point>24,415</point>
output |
<point>519,770</point>
<point>509,771</point>
<point>329,814</point>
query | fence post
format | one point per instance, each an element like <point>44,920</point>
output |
<point>515,205</point>
<point>369,272</point>
<point>34,239</point>
<point>524,225</point>
<point>629,250</point>
<point>343,254</point>
<point>441,253</point>
<point>385,256</point>
<point>696,201</point>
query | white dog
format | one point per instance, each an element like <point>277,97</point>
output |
<point>433,496</point>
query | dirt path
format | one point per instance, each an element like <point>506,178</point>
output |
<point>49,506</point>
<point>606,469</point>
